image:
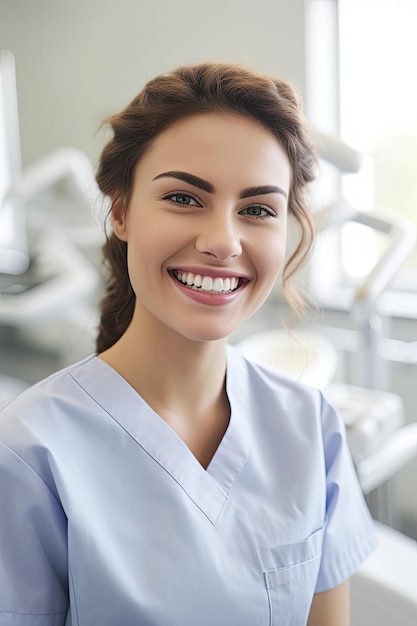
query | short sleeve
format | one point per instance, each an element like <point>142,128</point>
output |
<point>349,534</point>
<point>33,552</point>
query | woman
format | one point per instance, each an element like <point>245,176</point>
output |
<point>167,481</point>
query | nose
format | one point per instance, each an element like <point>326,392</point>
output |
<point>219,237</point>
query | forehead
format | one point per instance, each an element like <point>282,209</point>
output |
<point>219,143</point>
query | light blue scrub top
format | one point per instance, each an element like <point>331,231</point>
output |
<point>107,518</point>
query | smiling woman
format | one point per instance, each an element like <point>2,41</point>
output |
<point>189,91</point>
<point>204,220</point>
<point>167,480</point>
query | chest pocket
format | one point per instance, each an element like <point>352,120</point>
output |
<point>291,583</point>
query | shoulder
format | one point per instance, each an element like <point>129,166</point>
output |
<point>279,397</point>
<point>35,414</point>
<point>42,426</point>
<point>57,385</point>
<point>263,380</point>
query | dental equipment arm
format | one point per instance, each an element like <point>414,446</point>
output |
<point>399,449</point>
<point>336,152</point>
<point>400,230</point>
<point>73,275</point>
<point>65,163</point>
<point>402,240</point>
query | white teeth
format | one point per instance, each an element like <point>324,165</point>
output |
<point>218,285</point>
<point>198,280</point>
<point>207,283</point>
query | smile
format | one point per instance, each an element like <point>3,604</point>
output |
<point>207,284</point>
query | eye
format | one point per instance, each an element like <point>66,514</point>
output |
<point>258,211</point>
<point>182,199</point>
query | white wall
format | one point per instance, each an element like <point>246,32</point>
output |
<point>79,60</point>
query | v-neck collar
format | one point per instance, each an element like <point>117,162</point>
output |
<point>208,488</point>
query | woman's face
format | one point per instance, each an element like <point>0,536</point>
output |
<point>206,225</point>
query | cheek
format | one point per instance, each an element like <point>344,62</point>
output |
<point>151,243</point>
<point>270,257</point>
<point>139,259</point>
<point>158,234</point>
<point>144,241</point>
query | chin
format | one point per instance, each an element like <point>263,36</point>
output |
<point>207,337</point>
<point>206,334</point>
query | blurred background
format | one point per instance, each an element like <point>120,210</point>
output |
<point>67,64</point>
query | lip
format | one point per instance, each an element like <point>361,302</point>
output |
<point>204,297</point>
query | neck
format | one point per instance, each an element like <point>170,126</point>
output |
<point>174,375</point>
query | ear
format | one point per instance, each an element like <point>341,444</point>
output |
<point>118,220</point>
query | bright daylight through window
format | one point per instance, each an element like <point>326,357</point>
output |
<point>378,116</point>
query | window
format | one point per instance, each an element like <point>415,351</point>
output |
<point>373,107</point>
<point>378,103</point>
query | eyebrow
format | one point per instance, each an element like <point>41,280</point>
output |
<point>196,181</point>
<point>188,178</point>
<point>262,190</point>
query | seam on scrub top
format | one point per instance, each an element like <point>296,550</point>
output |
<point>32,614</point>
<point>71,578</point>
<point>34,472</point>
<point>293,565</point>
<point>226,496</point>
<point>304,575</point>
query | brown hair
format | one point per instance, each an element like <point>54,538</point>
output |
<point>188,90</point>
